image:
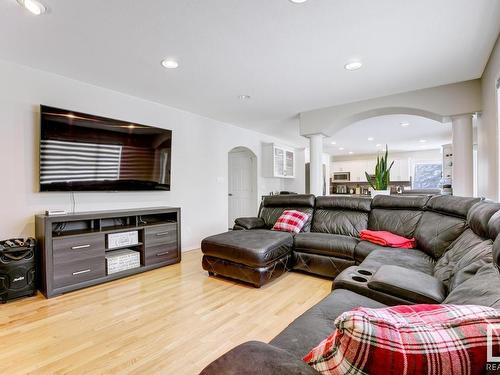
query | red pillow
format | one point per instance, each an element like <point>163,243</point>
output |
<point>291,221</point>
<point>416,339</point>
<point>384,238</point>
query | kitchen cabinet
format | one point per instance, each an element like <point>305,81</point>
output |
<point>400,171</point>
<point>278,161</point>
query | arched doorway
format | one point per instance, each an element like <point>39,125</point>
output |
<point>242,184</point>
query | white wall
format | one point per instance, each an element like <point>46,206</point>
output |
<point>487,130</point>
<point>437,103</point>
<point>199,159</point>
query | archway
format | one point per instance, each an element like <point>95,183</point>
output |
<point>242,184</point>
<point>415,144</point>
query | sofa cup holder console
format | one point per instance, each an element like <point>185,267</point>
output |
<point>359,279</point>
<point>361,276</point>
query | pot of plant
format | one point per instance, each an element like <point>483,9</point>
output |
<point>380,181</point>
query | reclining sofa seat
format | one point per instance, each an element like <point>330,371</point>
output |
<point>329,246</point>
<point>419,283</point>
<point>283,355</point>
<point>435,222</point>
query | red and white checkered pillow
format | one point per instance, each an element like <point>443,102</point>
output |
<point>404,340</point>
<point>291,221</point>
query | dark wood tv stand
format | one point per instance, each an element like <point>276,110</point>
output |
<point>72,247</point>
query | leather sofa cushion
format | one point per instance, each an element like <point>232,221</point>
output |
<point>271,214</point>
<point>412,285</point>
<point>364,248</point>
<point>479,216</point>
<point>289,200</point>
<point>451,205</point>
<point>398,221</point>
<point>323,265</point>
<point>436,232</point>
<point>339,221</point>
<point>400,202</point>
<point>481,289</point>
<point>254,248</point>
<point>272,207</point>
<point>344,203</point>
<point>254,357</point>
<point>494,226</point>
<point>496,252</point>
<point>312,327</point>
<point>249,223</point>
<point>399,215</point>
<point>326,244</point>
<point>412,259</point>
<point>467,272</point>
<point>467,248</point>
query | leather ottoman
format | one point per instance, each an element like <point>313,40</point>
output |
<point>253,256</point>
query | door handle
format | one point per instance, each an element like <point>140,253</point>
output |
<point>230,194</point>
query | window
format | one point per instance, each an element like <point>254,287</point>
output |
<point>427,175</point>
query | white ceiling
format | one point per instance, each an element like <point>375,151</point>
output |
<point>388,130</point>
<point>288,57</point>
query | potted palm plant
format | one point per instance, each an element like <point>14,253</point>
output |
<point>380,181</point>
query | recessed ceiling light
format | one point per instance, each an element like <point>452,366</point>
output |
<point>244,97</point>
<point>297,1</point>
<point>378,145</point>
<point>33,6</point>
<point>350,152</point>
<point>405,124</point>
<point>353,65</point>
<point>341,148</point>
<point>334,143</point>
<point>371,139</point>
<point>422,141</point>
<point>170,63</point>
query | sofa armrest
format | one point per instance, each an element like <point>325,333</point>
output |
<point>249,223</point>
<point>412,285</point>
<point>256,357</point>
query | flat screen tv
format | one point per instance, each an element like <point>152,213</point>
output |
<point>81,152</point>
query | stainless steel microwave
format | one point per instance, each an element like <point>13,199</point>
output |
<point>341,176</point>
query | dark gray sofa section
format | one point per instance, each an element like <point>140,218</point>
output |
<point>329,247</point>
<point>456,262</point>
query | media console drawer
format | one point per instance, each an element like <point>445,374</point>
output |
<point>161,234</point>
<point>79,271</point>
<point>75,247</point>
<point>160,253</point>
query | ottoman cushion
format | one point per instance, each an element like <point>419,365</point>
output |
<point>254,248</point>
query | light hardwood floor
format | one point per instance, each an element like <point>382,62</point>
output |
<point>173,320</point>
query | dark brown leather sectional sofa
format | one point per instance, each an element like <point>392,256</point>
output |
<point>456,262</point>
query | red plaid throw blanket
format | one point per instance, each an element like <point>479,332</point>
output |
<point>403,340</point>
<point>384,238</point>
<point>291,221</point>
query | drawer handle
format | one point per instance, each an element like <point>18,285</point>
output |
<point>80,247</point>
<point>159,234</point>
<point>164,253</point>
<point>81,272</point>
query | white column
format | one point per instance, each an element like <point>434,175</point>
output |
<point>462,139</point>
<point>316,164</point>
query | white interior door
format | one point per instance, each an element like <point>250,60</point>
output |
<point>242,200</point>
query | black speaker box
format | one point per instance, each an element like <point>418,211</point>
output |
<point>17,268</point>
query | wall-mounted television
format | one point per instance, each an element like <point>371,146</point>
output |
<point>81,152</point>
